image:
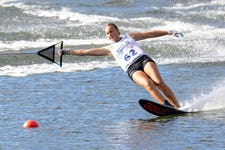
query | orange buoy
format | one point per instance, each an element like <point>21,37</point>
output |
<point>30,124</point>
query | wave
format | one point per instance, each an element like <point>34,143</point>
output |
<point>202,42</point>
<point>65,13</point>
<point>191,32</point>
<point>29,65</point>
<point>75,19</point>
<point>25,70</point>
<point>42,43</point>
<point>162,51</point>
<point>213,100</point>
<point>62,13</point>
<point>194,5</point>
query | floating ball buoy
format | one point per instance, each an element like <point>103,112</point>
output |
<point>30,124</point>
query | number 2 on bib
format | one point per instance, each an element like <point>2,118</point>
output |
<point>131,53</point>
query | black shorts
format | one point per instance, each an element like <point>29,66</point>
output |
<point>139,65</point>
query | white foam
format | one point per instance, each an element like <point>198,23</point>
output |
<point>22,44</point>
<point>25,70</point>
<point>185,6</point>
<point>193,31</point>
<point>178,60</point>
<point>6,3</point>
<point>62,13</point>
<point>66,14</point>
<point>205,102</point>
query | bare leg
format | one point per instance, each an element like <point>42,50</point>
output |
<point>169,94</point>
<point>143,80</point>
<point>153,73</point>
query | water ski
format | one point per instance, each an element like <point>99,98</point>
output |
<point>158,109</point>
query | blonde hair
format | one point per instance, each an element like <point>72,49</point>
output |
<point>114,25</point>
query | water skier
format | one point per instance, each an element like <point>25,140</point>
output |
<point>133,60</point>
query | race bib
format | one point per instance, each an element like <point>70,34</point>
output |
<point>126,51</point>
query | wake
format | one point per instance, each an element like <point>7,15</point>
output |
<point>206,102</point>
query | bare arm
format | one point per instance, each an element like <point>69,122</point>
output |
<point>103,51</point>
<point>148,34</point>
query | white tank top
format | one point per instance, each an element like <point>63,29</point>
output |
<point>126,51</point>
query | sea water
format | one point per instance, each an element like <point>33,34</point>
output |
<point>90,103</point>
